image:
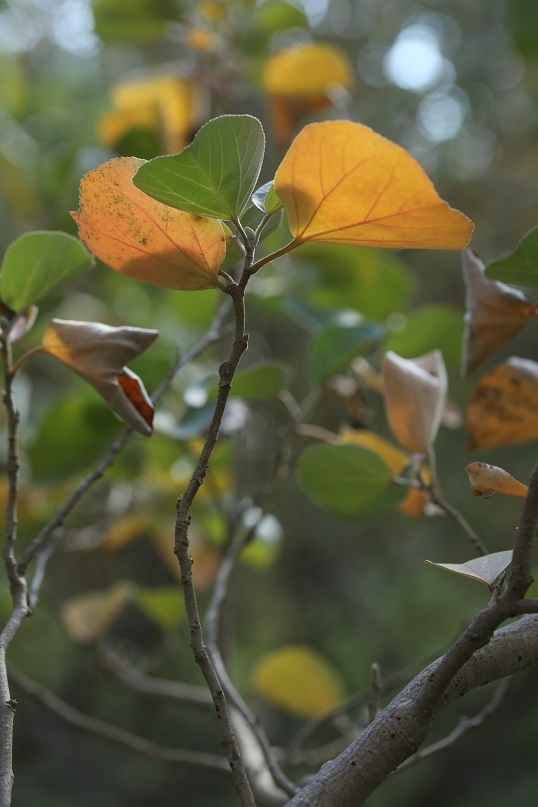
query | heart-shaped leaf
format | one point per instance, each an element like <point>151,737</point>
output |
<point>142,238</point>
<point>503,406</point>
<point>486,569</point>
<point>214,176</point>
<point>487,480</point>
<point>348,480</point>
<point>342,182</point>
<point>298,680</point>
<point>495,313</point>
<point>37,263</point>
<point>521,267</point>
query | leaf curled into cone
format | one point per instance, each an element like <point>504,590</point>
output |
<point>495,313</point>
<point>143,238</point>
<point>503,406</point>
<point>414,392</point>
<point>343,183</point>
<point>486,569</point>
<point>98,353</point>
<point>487,480</point>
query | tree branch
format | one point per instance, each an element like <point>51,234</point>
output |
<point>115,735</point>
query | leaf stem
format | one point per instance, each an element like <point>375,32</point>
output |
<point>274,255</point>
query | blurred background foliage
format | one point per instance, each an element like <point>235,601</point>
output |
<point>453,81</point>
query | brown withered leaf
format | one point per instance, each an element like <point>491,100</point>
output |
<point>414,392</point>
<point>487,480</point>
<point>503,406</point>
<point>98,353</point>
<point>89,615</point>
<point>495,313</point>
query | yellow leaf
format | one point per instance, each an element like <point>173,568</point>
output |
<point>502,409</point>
<point>306,70</point>
<point>486,480</point>
<point>343,183</point>
<point>171,106</point>
<point>414,392</point>
<point>495,313</point>
<point>145,239</point>
<point>298,680</point>
<point>88,616</point>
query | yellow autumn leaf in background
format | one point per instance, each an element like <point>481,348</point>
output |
<point>306,70</point>
<point>343,183</point>
<point>298,680</point>
<point>503,406</point>
<point>302,80</point>
<point>145,239</point>
<point>171,106</point>
<point>486,480</point>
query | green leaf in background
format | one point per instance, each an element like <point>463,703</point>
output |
<point>264,380</point>
<point>335,346</point>
<point>348,481</point>
<point>163,605</point>
<point>275,16</point>
<point>372,281</point>
<point>523,21</point>
<point>430,327</point>
<point>72,436</point>
<point>266,199</point>
<point>214,176</point>
<point>486,569</point>
<point>37,263</point>
<point>132,20</point>
<point>521,267</point>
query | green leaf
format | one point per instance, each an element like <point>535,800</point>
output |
<point>486,569</point>
<point>37,263</point>
<point>73,435</point>
<point>521,267</point>
<point>266,199</point>
<point>214,176</point>
<point>264,380</point>
<point>335,346</point>
<point>132,20</point>
<point>347,480</point>
<point>372,281</point>
<point>163,605</point>
<point>430,327</point>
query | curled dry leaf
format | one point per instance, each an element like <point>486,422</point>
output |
<point>495,313</point>
<point>143,238</point>
<point>414,392</point>
<point>487,480</point>
<point>503,406</point>
<point>343,183</point>
<point>98,353</point>
<point>486,569</point>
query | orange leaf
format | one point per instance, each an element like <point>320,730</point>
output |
<point>486,480</point>
<point>415,396</point>
<point>89,615</point>
<point>495,313</point>
<point>342,182</point>
<point>145,239</point>
<point>503,406</point>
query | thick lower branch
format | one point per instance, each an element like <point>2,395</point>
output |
<point>402,726</point>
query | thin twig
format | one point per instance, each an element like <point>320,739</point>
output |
<point>113,734</point>
<point>213,334</point>
<point>181,543</point>
<point>465,724</point>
